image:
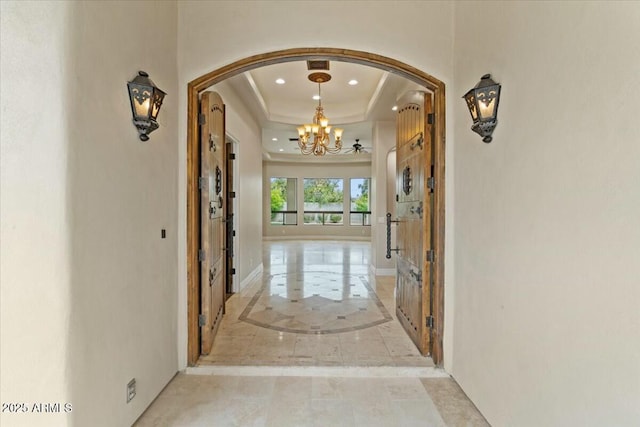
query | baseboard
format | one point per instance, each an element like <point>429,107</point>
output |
<point>385,271</point>
<point>381,271</point>
<point>340,238</point>
<point>251,277</point>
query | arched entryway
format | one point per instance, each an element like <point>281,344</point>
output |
<point>198,85</point>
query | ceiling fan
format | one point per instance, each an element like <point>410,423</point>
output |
<point>357,148</point>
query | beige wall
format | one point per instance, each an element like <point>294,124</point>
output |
<point>214,34</point>
<point>384,139</point>
<point>34,226</point>
<point>547,303</point>
<point>313,170</point>
<point>88,286</point>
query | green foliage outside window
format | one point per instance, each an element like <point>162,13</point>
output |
<point>278,195</point>
<point>360,202</point>
<point>323,191</point>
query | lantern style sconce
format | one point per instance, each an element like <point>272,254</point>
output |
<point>146,100</point>
<point>483,101</point>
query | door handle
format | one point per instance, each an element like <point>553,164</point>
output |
<point>389,250</point>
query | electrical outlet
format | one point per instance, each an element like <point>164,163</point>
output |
<point>131,390</point>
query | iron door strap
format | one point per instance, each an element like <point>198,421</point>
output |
<point>416,274</point>
<point>212,145</point>
<point>418,142</point>
<point>417,210</point>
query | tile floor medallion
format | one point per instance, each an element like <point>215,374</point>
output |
<point>318,302</point>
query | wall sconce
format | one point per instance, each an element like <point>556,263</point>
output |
<point>483,101</point>
<point>146,100</point>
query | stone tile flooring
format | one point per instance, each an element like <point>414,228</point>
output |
<point>195,400</point>
<point>295,349</point>
<point>314,305</point>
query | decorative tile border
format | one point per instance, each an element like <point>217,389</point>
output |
<point>386,317</point>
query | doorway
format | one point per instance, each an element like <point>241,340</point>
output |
<point>197,86</point>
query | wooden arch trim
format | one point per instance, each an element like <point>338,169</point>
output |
<point>198,85</point>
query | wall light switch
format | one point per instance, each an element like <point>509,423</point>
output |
<point>163,233</point>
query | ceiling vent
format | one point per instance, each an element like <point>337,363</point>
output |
<point>317,64</point>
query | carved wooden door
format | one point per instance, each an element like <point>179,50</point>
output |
<point>414,210</point>
<point>212,215</point>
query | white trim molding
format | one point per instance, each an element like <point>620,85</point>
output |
<point>251,277</point>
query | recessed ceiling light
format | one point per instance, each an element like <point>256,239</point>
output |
<point>394,108</point>
<point>282,149</point>
<point>353,82</point>
<point>274,139</point>
<point>280,81</point>
<point>316,97</point>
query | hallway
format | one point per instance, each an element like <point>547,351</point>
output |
<point>313,341</point>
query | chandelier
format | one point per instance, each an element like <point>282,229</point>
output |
<point>316,137</point>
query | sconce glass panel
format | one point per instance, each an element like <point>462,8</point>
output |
<point>140,101</point>
<point>471,104</point>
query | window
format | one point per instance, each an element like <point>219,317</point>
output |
<point>360,209</point>
<point>323,201</point>
<point>283,201</point>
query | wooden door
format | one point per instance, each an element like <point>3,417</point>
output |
<point>414,210</point>
<point>212,214</point>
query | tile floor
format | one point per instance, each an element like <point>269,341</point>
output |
<point>314,305</point>
<point>195,400</point>
<point>313,341</point>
